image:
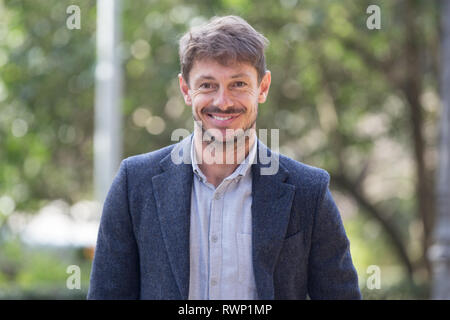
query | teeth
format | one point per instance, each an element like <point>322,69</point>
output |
<point>221,118</point>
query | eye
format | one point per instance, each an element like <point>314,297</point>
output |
<point>206,85</point>
<point>240,84</point>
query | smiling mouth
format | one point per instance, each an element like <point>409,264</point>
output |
<point>223,117</point>
<point>220,118</point>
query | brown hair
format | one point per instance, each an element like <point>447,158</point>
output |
<point>224,39</point>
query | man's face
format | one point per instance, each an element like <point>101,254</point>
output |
<point>224,97</point>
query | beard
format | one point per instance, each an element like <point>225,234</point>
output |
<point>213,136</point>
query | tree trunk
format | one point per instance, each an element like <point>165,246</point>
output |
<point>412,88</point>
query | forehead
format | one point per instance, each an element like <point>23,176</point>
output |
<point>210,68</point>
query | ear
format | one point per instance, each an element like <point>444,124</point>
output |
<point>264,87</point>
<point>184,88</point>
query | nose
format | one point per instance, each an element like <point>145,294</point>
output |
<point>223,99</point>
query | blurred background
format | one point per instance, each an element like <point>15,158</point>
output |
<point>364,104</point>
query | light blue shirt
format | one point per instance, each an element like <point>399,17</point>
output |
<point>221,264</point>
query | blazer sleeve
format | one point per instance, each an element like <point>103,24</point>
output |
<point>331,271</point>
<point>115,269</point>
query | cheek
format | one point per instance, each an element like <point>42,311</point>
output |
<point>252,104</point>
<point>199,102</point>
<point>249,97</point>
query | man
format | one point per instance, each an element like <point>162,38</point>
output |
<point>210,217</point>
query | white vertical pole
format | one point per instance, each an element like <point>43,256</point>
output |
<point>440,251</point>
<point>108,94</point>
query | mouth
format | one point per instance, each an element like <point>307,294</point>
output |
<point>222,119</point>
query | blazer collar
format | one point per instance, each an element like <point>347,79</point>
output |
<point>271,206</point>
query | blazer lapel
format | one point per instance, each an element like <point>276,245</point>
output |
<point>172,190</point>
<point>271,206</point>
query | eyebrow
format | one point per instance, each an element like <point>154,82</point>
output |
<point>208,77</point>
<point>240,75</point>
<point>205,77</point>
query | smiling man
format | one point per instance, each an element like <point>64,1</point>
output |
<point>224,97</point>
<point>217,226</point>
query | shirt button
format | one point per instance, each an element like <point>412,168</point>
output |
<point>217,196</point>
<point>214,238</point>
<point>213,282</point>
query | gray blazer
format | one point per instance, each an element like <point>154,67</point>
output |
<point>299,243</point>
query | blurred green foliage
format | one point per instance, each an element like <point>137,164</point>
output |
<point>40,273</point>
<point>331,99</point>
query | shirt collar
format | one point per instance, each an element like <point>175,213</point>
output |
<point>241,170</point>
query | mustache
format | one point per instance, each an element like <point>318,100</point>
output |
<point>231,110</point>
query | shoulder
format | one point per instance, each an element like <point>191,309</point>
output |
<point>148,159</point>
<point>146,165</point>
<point>304,175</point>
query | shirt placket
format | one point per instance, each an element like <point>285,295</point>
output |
<point>215,244</point>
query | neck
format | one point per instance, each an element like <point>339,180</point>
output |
<point>217,160</point>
